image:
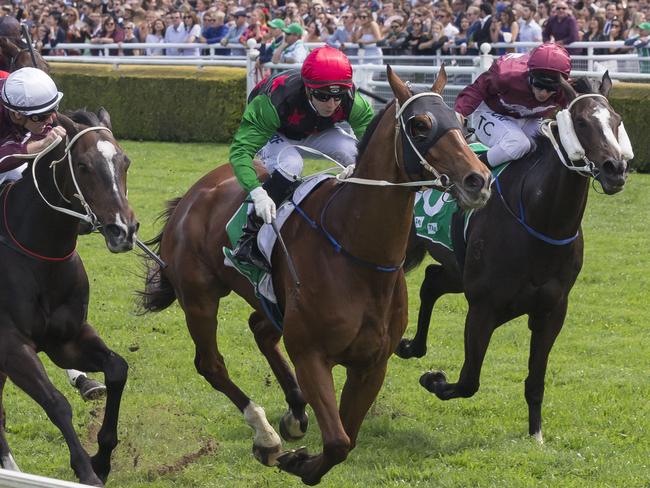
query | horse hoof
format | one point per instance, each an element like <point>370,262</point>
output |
<point>290,461</point>
<point>268,456</point>
<point>405,350</point>
<point>291,428</point>
<point>431,379</point>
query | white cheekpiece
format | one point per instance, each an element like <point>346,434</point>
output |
<point>264,205</point>
<point>568,136</point>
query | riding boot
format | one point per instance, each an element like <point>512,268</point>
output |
<point>247,250</point>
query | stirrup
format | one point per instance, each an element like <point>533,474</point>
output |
<point>247,251</point>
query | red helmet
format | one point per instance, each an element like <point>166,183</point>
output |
<point>327,66</point>
<point>550,57</point>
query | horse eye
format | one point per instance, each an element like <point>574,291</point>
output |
<point>419,129</point>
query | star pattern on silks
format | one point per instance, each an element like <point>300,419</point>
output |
<point>278,81</point>
<point>296,117</point>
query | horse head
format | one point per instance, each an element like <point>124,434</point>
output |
<point>99,167</point>
<point>432,143</point>
<point>14,54</point>
<point>592,131</point>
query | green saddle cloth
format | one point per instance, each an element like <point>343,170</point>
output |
<point>234,229</point>
<point>434,209</point>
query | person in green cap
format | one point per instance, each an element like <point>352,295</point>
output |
<point>276,37</point>
<point>292,50</point>
<point>642,46</point>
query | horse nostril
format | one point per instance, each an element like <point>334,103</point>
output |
<point>474,182</point>
<point>613,167</point>
<point>113,230</point>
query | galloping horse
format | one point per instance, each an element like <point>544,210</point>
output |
<point>351,308</point>
<point>44,299</point>
<point>14,52</point>
<point>524,250</point>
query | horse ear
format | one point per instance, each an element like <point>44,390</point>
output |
<point>441,80</point>
<point>568,90</point>
<point>605,84</point>
<point>104,118</point>
<point>68,124</point>
<point>400,90</point>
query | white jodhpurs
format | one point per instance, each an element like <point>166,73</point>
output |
<point>13,174</point>
<point>280,154</point>
<point>507,137</point>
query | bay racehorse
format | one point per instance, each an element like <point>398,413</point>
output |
<point>44,299</point>
<point>351,308</point>
<point>524,250</point>
<point>14,51</point>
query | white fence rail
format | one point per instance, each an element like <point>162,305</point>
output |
<point>14,479</point>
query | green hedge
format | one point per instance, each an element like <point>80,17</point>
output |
<point>161,103</point>
<point>632,102</point>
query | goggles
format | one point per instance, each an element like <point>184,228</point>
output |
<point>322,96</point>
<point>40,117</point>
<point>549,86</point>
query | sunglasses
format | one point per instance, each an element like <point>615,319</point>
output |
<point>363,16</point>
<point>542,86</point>
<point>40,117</point>
<point>187,16</point>
<point>325,97</point>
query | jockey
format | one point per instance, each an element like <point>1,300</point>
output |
<point>509,101</point>
<point>28,102</point>
<point>297,107</point>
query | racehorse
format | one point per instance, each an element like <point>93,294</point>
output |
<point>44,299</point>
<point>351,308</point>
<point>524,250</point>
<point>14,51</point>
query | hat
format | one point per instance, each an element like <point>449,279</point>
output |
<point>644,26</point>
<point>30,91</point>
<point>293,28</point>
<point>277,24</point>
<point>240,13</point>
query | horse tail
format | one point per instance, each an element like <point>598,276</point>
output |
<point>415,252</point>
<point>158,291</point>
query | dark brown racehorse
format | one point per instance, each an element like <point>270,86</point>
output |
<point>524,250</point>
<point>14,52</point>
<point>44,299</point>
<point>346,311</point>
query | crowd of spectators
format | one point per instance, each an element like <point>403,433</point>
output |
<point>371,27</point>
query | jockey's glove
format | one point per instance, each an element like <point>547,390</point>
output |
<point>264,205</point>
<point>461,119</point>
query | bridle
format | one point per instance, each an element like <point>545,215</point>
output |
<point>89,217</point>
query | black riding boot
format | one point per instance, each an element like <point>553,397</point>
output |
<point>247,250</point>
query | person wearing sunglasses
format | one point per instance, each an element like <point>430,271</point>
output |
<point>300,107</point>
<point>509,101</point>
<point>28,102</point>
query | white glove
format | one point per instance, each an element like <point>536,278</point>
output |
<point>461,119</point>
<point>264,205</point>
<point>347,172</point>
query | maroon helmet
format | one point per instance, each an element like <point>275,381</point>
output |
<point>327,69</point>
<point>550,57</point>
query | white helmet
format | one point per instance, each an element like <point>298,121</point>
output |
<point>30,91</point>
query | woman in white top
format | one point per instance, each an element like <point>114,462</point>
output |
<point>157,35</point>
<point>367,35</point>
<point>193,29</point>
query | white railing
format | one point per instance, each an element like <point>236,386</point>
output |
<point>15,479</point>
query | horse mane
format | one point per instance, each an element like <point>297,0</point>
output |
<point>370,130</point>
<point>82,116</point>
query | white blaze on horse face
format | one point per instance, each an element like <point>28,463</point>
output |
<point>603,115</point>
<point>109,151</point>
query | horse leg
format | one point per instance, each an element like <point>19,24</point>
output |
<point>479,326</point>
<point>87,352</point>
<point>437,282</point>
<point>6,458</point>
<point>315,379</point>
<point>544,330</point>
<point>293,424</point>
<point>200,316</point>
<point>25,369</point>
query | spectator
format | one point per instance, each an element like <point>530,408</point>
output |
<point>175,33</point>
<point>610,14</point>
<point>214,29</point>
<point>291,14</point>
<point>542,14</point>
<point>634,31</point>
<point>156,36</point>
<point>77,31</point>
<point>109,34</point>
<point>529,29</point>
<point>435,41</point>
<point>235,32</point>
<point>192,33</point>
<point>367,35</point>
<point>561,28</point>
<point>257,27</point>
<point>449,30</point>
<point>416,36</point>
<point>313,32</point>
<point>129,38</point>
<point>273,41</point>
<point>55,35</point>
<point>394,42</point>
<point>342,37</point>
<point>292,49</point>
<point>481,33</point>
<point>595,31</point>
<point>640,42</point>
<point>461,39</point>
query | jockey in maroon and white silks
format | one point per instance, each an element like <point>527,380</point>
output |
<point>508,102</point>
